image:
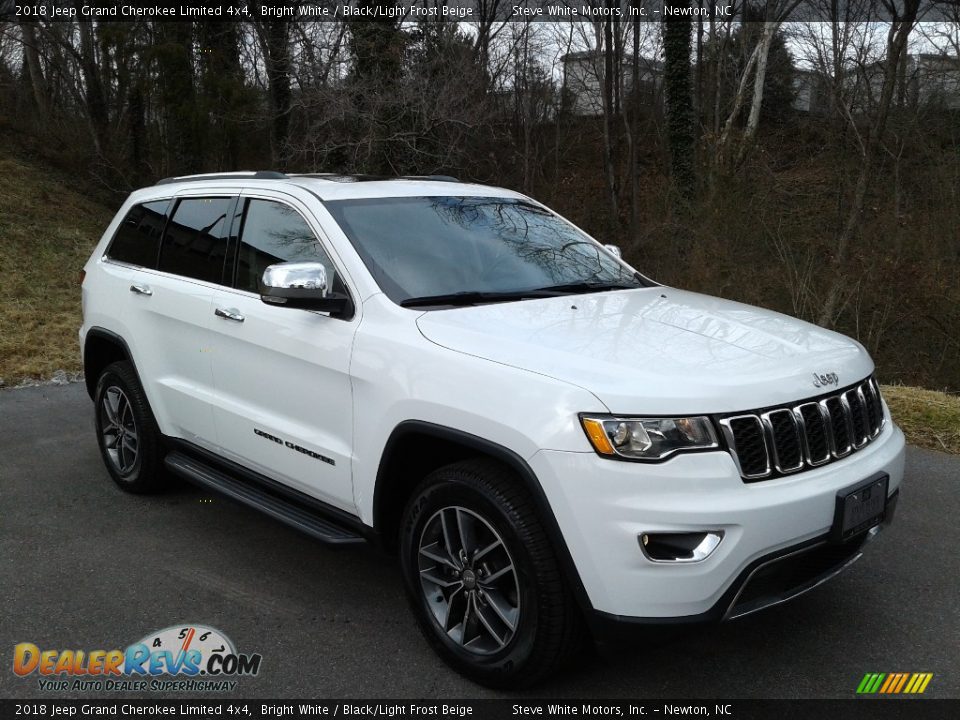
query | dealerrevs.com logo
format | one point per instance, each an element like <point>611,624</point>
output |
<point>179,658</point>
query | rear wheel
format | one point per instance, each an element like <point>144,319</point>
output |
<point>127,433</point>
<point>483,579</point>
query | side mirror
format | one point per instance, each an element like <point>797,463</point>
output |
<point>303,285</point>
<point>614,250</point>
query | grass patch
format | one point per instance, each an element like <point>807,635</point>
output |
<point>929,419</point>
<point>47,232</point>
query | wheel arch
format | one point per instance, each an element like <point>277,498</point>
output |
<point>415,448</point>
<point>101,347</point>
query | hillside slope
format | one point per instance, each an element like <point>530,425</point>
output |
<point>47,231</point>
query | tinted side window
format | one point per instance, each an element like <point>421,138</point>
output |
<point>275,233</point>
<point>138,237</point>
<point>195,243</point>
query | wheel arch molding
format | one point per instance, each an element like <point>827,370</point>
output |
<point>405,462</point>
<point>100,348</point>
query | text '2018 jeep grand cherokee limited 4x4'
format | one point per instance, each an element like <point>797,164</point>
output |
<point>551,442</point>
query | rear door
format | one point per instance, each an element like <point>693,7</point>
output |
<point>283,396</point>
<point>135,244</point>
<point>172,311</point>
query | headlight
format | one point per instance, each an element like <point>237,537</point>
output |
<point>648,438</point>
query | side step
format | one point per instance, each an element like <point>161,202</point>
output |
<point>284,510</point>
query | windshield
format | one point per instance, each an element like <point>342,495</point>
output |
<point>475,249</point>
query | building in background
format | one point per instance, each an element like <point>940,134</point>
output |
<point>811,92</point>
<point>934,80</point>
<point>583,81</point>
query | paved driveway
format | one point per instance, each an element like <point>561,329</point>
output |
<point>83,565</point>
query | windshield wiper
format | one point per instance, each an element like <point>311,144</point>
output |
<point>475,297</point>
<point>588,287</point>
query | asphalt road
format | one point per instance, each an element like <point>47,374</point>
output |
<point>83,565</point>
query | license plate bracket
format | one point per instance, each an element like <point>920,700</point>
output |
<point>860,507</point>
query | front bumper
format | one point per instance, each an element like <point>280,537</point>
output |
<point>602,506</point>
<point>768,581</point>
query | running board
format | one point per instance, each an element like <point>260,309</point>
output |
<point>285,510</point>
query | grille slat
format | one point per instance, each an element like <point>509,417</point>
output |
<point>858,419</point>
<point>837,413</point>
<point>815,433</point>
<point>752,455</point>
<point>874,407</point>
<point>788,439</point>
<point>787,451</point>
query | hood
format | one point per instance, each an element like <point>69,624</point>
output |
<point>656,351</point>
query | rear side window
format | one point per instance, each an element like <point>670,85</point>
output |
<point>276,233</point>
<point>195,243</point>
<point>138,238</point>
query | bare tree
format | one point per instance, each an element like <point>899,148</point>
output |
<point>31,54</point>
<point>903,16</point>
<point>728,152</point>
<point>677,69</point>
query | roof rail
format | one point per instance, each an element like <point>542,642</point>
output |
<point>340,177</point>
<point>258,175</point>
<point>360,177</point>
<point>435,178</point>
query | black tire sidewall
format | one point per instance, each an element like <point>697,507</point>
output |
<point>143,476</point>
<point>444,492</point>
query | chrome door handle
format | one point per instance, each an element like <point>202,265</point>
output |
<point>141,289</point>
<point>229,314</point>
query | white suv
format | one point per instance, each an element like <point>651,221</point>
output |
<point>552,443</point>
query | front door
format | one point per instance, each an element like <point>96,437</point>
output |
<point>283,402</point>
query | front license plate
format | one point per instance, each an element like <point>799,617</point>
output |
<point>860,507</point>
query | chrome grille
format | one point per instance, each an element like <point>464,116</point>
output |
<point>784,440</point>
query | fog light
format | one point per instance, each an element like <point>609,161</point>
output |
<point>679,547</point>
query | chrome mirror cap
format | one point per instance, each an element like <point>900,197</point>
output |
<point>305,286</point>
<point>296,275</point>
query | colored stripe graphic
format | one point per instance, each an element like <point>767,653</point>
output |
<point>894,683</point>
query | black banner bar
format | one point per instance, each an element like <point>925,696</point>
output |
<point>426,10</point>
<point>853,709</point>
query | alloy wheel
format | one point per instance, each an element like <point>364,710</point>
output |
<point>469,580</point>
<point>119,429</point>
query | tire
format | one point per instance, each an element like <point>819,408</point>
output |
<point>466,603</point>
<point>127,432</point>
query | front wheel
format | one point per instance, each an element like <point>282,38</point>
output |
<point>483,578</point>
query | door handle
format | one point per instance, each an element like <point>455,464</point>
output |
<point>141,289</point>
<point>229,314</point>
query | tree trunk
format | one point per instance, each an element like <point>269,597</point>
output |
<point>377,48</point>
<point>178,97</point>
<point>676,47</point>
<point>698,83</point>
<point>278,66</point>
<point>222,78</point>
<point>136,125</point>
<point>38,82</point>
<point>93,96</point>
<point>488,13</point>
<point>759,79</point>
<point>610,172</point>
